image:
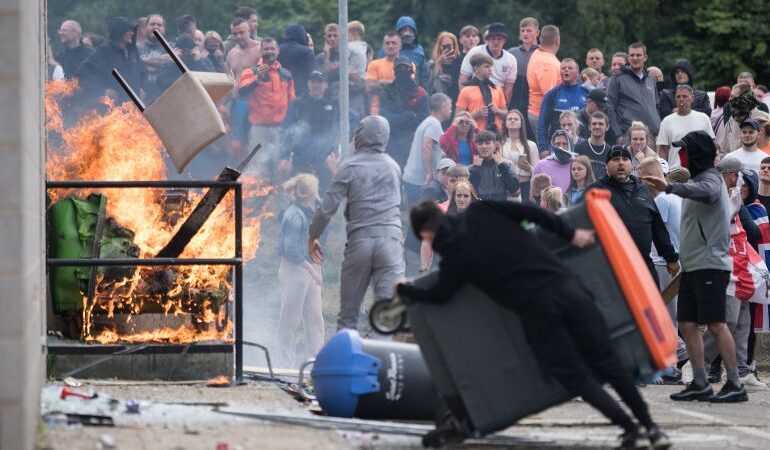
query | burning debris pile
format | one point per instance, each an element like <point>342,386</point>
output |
<point>119,145</point>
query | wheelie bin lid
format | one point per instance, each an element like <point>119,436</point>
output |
<point>343,372</point>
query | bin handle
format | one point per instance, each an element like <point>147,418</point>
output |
<point>301,380</point>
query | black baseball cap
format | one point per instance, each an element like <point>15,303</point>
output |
<point>598,96</point>
<point>751,123</point>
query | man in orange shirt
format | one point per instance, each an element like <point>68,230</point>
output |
<point>480,97</point>
<point>543,72</point>
<point>268,88</point>
<point>381,71</point>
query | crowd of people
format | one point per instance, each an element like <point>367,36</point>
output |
<point>480,117</point>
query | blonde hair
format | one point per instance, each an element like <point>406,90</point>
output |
<point>458,171</point>
<point>356,27</point>
<point>640,126</point>
<point>437,48</point>
<point>680,175</point>
<point>465,184</point>
<point>540,182</point>
<point>302,187</point>
<point>650,165</point>
<point>588,73</point>
<point>554,198</point>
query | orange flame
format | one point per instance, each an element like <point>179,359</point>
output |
<point>120,145</point>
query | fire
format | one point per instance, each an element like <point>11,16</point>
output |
<point>120,145</point>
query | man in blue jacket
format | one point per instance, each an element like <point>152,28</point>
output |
<point>567,96</point>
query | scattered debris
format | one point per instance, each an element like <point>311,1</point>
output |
<point>69,381</point>
<point>132,406</point>
<point>105,441</point>
<point>88,395</point>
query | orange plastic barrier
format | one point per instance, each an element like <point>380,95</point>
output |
<point>642,295</point>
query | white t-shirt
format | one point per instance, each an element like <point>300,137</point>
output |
<point>503,70</point>
<point>414,172</point>
<point>750,160</point>
<point>674,127</point>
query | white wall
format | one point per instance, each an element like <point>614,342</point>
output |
<point>22,268</point>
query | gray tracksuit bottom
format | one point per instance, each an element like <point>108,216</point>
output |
<point>375,259</point>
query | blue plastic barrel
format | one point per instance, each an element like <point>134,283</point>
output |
<point>369,379</point>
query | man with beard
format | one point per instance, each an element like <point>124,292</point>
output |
<point>405,105</point>
<point>706,266</point>
<point>269,88</point>
<point>95,73</point>
<point>309,132</point>
<point>748,153</point>
<point>637,209</point>
<point>370,181</point>
<point>74,52</point>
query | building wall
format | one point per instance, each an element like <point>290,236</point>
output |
<point>22,251</point>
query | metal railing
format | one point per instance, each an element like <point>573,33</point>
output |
<point>236,261</point>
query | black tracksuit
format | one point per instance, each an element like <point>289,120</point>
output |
<point>488,247</point>
<point>636,208</point>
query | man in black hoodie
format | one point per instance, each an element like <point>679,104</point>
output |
<point>681,73</point>
<point>636,208</point>
<point>296,56</point>
<point>484,246</point>
<point>120,52</point>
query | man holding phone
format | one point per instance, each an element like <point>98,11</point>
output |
<point>269,88</point>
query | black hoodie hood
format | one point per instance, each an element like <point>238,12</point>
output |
<point>118,26</point>
<point>686,66</point>
<point>295,33</point>
<point>751,180</point>
<point>700,150</point>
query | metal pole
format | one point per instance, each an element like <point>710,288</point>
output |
<point>344,85</point>
<point>238,286</point>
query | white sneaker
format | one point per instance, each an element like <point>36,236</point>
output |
<point>751,383</point>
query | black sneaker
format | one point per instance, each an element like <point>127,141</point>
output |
<point>634,439</point>
<point>694,391</point>
<point>658,439</point>
<point>674,378</point>
<point>730,393</point>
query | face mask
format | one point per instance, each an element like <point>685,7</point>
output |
<point>683,157</point>
<point>407,38</point>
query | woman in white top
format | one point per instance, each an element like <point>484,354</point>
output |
<point>520,151</point>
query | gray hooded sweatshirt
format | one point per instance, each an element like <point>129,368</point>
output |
<point>371,181</point>
<point>632,98</point>
<point>706,211</point>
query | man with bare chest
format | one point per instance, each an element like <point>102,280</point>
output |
<point>246,53</point>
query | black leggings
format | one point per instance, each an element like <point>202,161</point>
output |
<point>570,339</point>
